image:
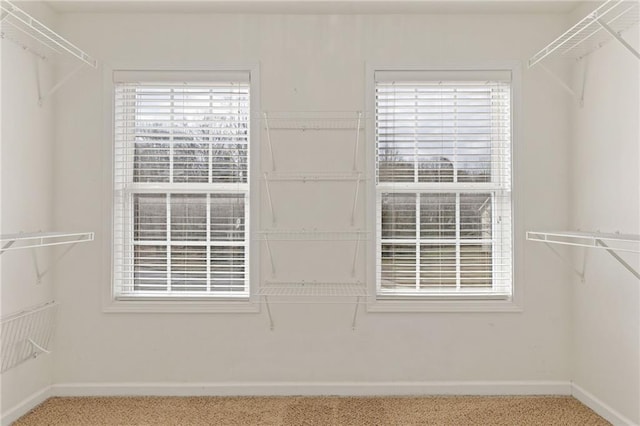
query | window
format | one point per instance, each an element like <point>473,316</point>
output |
<point>181,195</point>
<point>443,184</point>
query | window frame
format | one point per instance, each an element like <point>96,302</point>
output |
<point>414,302</point>
<point>166,304</point>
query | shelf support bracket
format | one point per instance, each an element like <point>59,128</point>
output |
<point>38,347</point>
<point>355,201</point>
<point>36,67</point>
<point>617,36</point>
<point>618,258</point>
<point>585,69</point>
<point>273,265</point>
<point>355,149</point>
<point>273,214</point>
<point>58,85</point>
<point>266,304</point>
<point>355,257</point>
<point>41,274</point>
<point>355,314</point>
<point>34,257</point>
<point>567,262</point>
<point>266,124</point>
<point>560,81</point>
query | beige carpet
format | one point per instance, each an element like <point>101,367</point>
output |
<point>299,411</point>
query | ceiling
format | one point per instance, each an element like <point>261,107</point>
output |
<point>314,6</point>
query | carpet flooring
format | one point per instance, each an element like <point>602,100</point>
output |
<point>300,411</point>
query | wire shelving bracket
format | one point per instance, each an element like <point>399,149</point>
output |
<point>313,177</point>
<point>605,23</point>
<point>34,240</point>
<point>314,121</point>
<point>611,243</point>
<point>349,126</point>
<point>312,235</point>
<point>35,37</point>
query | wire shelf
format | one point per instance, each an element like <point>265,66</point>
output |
<point>611,243</point>
<point>313,176</point>
<point>312,235</point>
<point>618,242</point>
<point>42,239</point>
<point>26,335</point>
<point>302,292</point>
<point>589,34</point>
<point>21,28</point>
<point>312,289</point>
<point>308,120</point>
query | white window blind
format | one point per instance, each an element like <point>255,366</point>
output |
<point>443,183</point>
<point>181,171</point>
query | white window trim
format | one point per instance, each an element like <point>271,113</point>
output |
<point>225,304</point>
<point>435,303</point>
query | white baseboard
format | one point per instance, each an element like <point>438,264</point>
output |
<point>314,388</point>
<point>600,407</point>
<point>318,388</point>
<point>25,406</point>
<point>289,388</point>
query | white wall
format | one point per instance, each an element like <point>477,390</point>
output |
<point>314,62</point>
<point>587,332</point>
<point>26,193</point>
<point>606,196</point>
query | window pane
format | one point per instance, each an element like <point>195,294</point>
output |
<point>151,130</point>
<point>228,268</point>
<point>150,217</point>
<point>437,266</point>
<point>188,217</point>
<point>227,217</point>
<point>150,268</point>
<point>188,268</point>
<point>475,265</point>
<point>434,168</point>
<point>398,216</point>
<point>474,128</point>
<point>395,160</point>
<point>476,166</point>
<point>398,267</point>
<point>151,160</point>
<point>229,157</point>
<point>185,134</point>
<point>191,161</point>
<point>475,216</point>
<point>444,129</point>
<point>437,216</point>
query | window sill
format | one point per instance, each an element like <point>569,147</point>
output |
<point>181,306</point>
<point>440,304</point>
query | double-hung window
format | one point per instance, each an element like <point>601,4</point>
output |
<point>181,195</point>
<point>443,184</point>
